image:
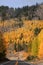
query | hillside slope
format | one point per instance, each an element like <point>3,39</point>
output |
<point>34,12</point>
<point>26,35</point>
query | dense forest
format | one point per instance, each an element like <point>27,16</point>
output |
<point>22,29</point>
<point>27,12</point>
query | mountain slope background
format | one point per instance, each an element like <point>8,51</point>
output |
<point>27,12</point>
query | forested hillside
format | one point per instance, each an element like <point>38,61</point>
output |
<point>34,12</point>
<point>21,29</point>
<point>28,37</point>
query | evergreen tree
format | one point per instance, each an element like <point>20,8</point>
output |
<point>15,46</point>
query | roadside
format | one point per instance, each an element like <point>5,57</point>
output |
<point>35,62</point>
<point>4,60</point>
